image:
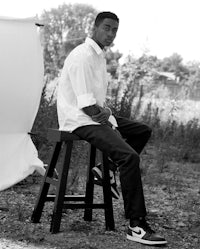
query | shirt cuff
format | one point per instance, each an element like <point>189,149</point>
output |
<point>85,100</point>
<point>107,108</point>
<point>113,121</point>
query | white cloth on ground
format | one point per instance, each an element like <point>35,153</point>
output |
<point>21,83</point>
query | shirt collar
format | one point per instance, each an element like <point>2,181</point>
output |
<point>95,46</point>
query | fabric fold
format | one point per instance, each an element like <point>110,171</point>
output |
<point>21,84</point>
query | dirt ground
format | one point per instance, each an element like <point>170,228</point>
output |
<point>173,204</point>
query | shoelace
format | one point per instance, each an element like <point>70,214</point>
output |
<point>144,224</point>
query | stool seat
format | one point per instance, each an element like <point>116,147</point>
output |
<point>56,135</point>
<point>63,141</point>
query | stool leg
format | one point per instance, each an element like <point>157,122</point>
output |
<point>109,218</point>
<point>90,184</point>
<point>37,212</point>
<point>61,188</point>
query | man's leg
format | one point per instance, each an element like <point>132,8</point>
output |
<point>127,159</point>
<point>136,134</point>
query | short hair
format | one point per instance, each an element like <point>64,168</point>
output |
<point>103,15</point>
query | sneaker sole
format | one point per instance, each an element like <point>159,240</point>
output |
<point>97,173</point>
<point>146,242</point>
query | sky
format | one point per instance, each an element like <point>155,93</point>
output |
<point>161,27</point>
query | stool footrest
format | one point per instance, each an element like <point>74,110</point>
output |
<point>60,136</point>
<point>84,205</point>
<point>67,198</point>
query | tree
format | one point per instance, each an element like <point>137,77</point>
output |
<point>174,64</point>
<point>194,76</point>
<point>135,78</point>
<point>194,80</point>
<point>112,60</point>
<point>65,27</point>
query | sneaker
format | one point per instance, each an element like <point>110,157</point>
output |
<point>143,234</point>
<point>55,174</point>
<point>98,180</point>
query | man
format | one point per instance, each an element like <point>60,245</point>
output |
<point>80,102</point>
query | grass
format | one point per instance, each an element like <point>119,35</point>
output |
<point>171,178</point>
<point>180,110</point>
<point>172,199</point>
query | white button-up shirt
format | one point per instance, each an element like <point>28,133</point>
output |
<point>83,83</point>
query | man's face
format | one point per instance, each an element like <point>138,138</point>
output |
<point>106,32</point>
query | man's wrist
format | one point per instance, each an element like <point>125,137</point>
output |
<point>108,110</point>
<point>91,110</point>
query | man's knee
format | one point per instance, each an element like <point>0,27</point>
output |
<point>147,131</point>
<point>130,164</point>
<point>133,158</point>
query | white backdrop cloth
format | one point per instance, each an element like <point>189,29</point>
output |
<point>21,83</point>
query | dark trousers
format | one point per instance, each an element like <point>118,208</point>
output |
<point>124,151</point>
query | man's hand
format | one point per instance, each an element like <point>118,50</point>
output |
<point>114,128</point>
<point>103,116</point>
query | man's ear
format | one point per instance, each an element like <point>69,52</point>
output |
<point>93,29</point>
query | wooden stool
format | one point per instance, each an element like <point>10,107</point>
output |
<point>60,199</point>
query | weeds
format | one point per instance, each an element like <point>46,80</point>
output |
<point>127,96</point>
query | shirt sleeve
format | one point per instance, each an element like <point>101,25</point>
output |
<point>81,77</point>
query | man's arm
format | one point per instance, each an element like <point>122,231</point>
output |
<point>91,110</point>
<point>98,114</point>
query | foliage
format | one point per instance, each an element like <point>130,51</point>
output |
<point>64,28</point>
<point>172,199</point>
<point>194,79</point>
<point>130,82</point>
<point>174,64</point>
<point>112,60</point>
<point>134,77</point>
<point>136,80</point>
<point>45,118</point>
